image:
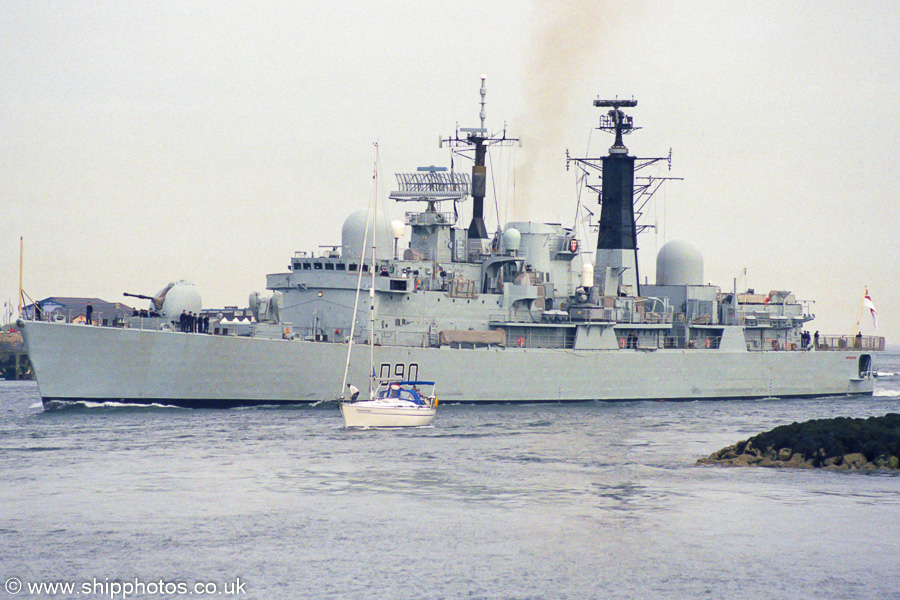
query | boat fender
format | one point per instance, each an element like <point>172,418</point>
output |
<point>521,342</point>
<point>706,343</point>
<point>435,401</point>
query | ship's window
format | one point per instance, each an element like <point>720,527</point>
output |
<point>353,267</point>
<point>341,267</point>
<point>365,268</point>
<point>307,266</point>
<point>317,266</point>
<point>329,266</point>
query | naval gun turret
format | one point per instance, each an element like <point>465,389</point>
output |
<point>157,302</point>
<point>176,297</point>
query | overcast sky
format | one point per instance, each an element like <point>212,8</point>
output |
<point>146,142</point>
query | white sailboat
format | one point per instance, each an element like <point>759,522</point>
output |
<point>390,403</point>
<point>393,404</point>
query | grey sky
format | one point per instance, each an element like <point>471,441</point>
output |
<point>148,142</point>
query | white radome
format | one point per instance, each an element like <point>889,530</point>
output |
<point>353,233</point>
<point>679,262</point>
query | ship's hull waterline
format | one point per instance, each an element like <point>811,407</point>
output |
<point>207,371</point>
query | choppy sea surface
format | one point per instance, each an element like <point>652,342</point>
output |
<point>587,500</point>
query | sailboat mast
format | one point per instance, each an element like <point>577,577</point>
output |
<point>372,287</point>
<point>362,253</point>
<point>21,252</point>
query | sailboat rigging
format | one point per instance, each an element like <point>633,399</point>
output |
<point>389,403</point>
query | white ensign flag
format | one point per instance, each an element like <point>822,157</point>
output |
<point>867,302</point>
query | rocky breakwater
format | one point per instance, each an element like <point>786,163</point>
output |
<point>840,443</point>
<point>13,360</point>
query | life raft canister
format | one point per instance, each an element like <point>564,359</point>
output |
<point>573,245</point>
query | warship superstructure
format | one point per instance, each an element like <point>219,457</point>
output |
<point>528,313</point>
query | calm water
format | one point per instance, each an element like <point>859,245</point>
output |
<point>591,500</point>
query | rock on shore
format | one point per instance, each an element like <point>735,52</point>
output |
<point>841,443</point>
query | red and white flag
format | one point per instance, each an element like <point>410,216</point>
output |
<point>867,302</point>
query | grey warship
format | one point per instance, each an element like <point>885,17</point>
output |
<point>529,313</point>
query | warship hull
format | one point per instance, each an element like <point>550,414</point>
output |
<point>77,363</point>
<point>523,316</point>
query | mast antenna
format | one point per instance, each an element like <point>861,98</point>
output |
<point>483,94</point>
<point>477,138</point>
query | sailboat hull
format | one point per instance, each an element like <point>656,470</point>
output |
<point>375,414</point>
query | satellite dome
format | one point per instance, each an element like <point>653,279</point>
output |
<point>353,234</point>
<point>512,239</point>
<point>177,297</point>
<point>679,262</point>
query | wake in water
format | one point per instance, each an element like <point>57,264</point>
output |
<point>887,393</point>
<point>85,404</point>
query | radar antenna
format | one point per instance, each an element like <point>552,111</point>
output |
<point>617,122</point>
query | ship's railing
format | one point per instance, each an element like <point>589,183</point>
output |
<point>98,319</point>
<point>851,342</point>
<point>635,341</point>
<point>509,316</point>
<point>540,337</point>
<point>429,218</point>
<point>418,339</point>
<point>599,314</point>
